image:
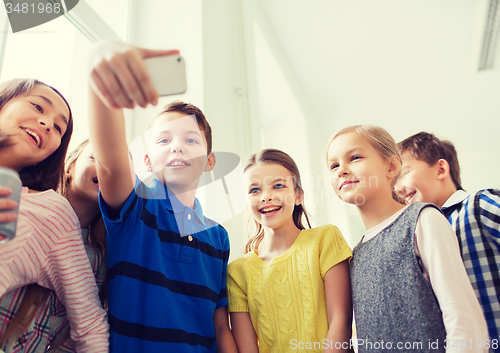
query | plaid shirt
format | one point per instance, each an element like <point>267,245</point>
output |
<point>49,323</point>
<point>476,221</point>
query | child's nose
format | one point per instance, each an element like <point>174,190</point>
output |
<point>45,123</point>
<point>267,196</point>
<point>400,189</point>
<point>176,146</point>
<point>342,170</point>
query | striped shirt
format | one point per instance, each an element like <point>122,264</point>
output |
<point>48,250</point>
<point>476,221</point>
<point>49,325</point>
<point>164,285</point>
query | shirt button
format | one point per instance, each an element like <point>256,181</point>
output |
<point>22,340</point>
<point>189,216</point>
<point>190,238</point>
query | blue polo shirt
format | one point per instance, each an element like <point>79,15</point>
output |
<point>166,273</point>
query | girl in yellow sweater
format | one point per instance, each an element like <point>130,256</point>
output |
<point>291,290</point>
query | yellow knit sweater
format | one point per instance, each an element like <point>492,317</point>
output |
<point>286,296</point>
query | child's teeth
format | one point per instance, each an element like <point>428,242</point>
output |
<point>270,209</point>
<point>35,136</point>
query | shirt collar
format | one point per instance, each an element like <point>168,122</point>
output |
<point>457,197</point>
<point>174,204</point>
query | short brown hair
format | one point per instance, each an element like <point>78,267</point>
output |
<point>428,148</point>
<point>190,109</point>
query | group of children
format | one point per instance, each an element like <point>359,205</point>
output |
<point>294,289</point>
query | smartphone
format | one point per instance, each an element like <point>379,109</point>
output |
<point>10,179</point>
<point>168,74</point>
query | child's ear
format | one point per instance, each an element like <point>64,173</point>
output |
<point>147,163</point>
<point>210,162</point>
<point>67,175</point>
<point>443,169</point>
<point>299,197</point>
<point>394,167</point>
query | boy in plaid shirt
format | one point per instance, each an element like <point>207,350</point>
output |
<point>431,173</point>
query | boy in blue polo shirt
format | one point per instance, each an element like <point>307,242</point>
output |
<point>166,261</point>
<point>431,173</point>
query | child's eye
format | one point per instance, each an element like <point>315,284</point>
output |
<point>254,191</point>
<point>334,166</point>
<point>38,107</point>
<point>58,128</point>
<point>164,140</point>
<point>191,141</point>
<point>353,158</point>
<point>279,186</point>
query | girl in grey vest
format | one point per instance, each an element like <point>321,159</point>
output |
<point>410,290</point>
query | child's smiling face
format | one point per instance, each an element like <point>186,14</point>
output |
<point>84,182</point>
<point>358,170</point>
<point>178,152</point>
<point>271,194</point>
<point>419,181</point>
<point>36,123</point>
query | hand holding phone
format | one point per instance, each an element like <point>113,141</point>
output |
<point>9,203</point>
<point>117,72</point>
<point>168,74</point>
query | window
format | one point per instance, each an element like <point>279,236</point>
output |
<point>57,51</point>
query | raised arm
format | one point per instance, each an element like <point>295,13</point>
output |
<point>118,79</point>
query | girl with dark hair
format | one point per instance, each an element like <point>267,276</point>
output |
<point>37,124</point>
<point>40,306</point>
<point>291,289</point>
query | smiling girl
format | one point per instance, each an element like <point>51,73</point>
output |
<point>47,249</point>
<point>409,285</point>
<point>291,289</point>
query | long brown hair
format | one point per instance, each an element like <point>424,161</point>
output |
<point>97,230</point>
<point>274,156</point>
<point>45,175</point>
<point>48,173</point>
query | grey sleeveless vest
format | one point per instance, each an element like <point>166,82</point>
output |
<point>394,306</point>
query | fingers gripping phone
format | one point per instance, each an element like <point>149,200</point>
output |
<point>168,74</point>
<point>10,179</point>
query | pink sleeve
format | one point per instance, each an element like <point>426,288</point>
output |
<point>67,271</point>
<point>462,315</point>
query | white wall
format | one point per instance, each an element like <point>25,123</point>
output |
<point>284,74</point>
<point>287,74</point>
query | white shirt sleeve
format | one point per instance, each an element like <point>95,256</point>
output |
<point>463,318</point>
